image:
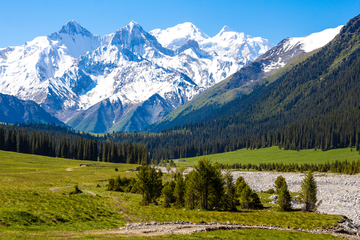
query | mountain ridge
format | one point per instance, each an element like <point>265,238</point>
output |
<point>244,80</point>
<point>71,70</point>
<point>14,110</point>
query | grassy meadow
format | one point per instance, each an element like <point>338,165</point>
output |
<point>276,155</point>
<point>35,204</point>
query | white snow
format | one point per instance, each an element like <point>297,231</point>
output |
<point>315,40</point>
<point>177,36</point>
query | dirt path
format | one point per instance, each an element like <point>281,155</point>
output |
<point>122,209</point>
<point>90,192</point>
<point>157,229</point>
<point>57,188</point>
<point>72,168</point>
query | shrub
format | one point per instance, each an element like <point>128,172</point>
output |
<point>76,190</point>
<point>270,191</point>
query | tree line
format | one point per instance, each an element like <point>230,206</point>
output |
<point>48,143</point>
<point>346,167</point>
<point>337,130</point>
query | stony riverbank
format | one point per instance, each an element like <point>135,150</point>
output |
<point>340,194</point>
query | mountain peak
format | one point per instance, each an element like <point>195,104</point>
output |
<point>73,28</point>
<point>226,29</point>
<point>133,24</point>
<point>178,35</point>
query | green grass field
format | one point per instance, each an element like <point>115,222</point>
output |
<point>276,155</point>
<point>35,204</point>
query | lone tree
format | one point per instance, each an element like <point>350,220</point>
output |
<point>284,200</point>
<point>308,193</point>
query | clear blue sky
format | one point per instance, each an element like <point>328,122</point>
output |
<point>22,21</point>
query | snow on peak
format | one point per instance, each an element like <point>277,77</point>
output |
<point>226,29</point>
<point>178,35</point>
<point>73,28</point>
<point>133,25</point>
<point>315,40</point>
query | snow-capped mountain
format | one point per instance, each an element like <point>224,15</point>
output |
<point>244,80</point>
<point>226,44</point>
<point>290,48</point>
<point>175,37</point>
<point>97,83</point>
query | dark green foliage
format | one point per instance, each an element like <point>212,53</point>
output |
<point>76,190</point>
<point>239,186</point>
<point>284,200</point>
<point>308,194</point>
<point>168,193</point>
<point>204,185</point>
<point>279,183</point>
<point>229,199</point>
<point>249,199</point>
<point>179,191</point>
<point>246,196</point>
<point>270,191</point>
<point>191,192</point>
<point>150,183</point>
<point>23,139</point>
<point>335,167</point>
<point>123,184</point>
<point>133,186</point>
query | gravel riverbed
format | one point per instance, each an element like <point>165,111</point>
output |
<point>340,194</point>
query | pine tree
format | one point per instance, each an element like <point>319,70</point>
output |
<point>239,186</point>
<point>284,200</point>
<point>191,192</point>
<point>150,183</point>
<point>179,190</point>
<point>229,192</point>
<point>168,192</point>
<point>308,193</point>
<point>279,183</point>
<point>249,199</point>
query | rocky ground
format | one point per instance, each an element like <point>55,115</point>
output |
<point>343,230</point>
<point>340,194</point>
